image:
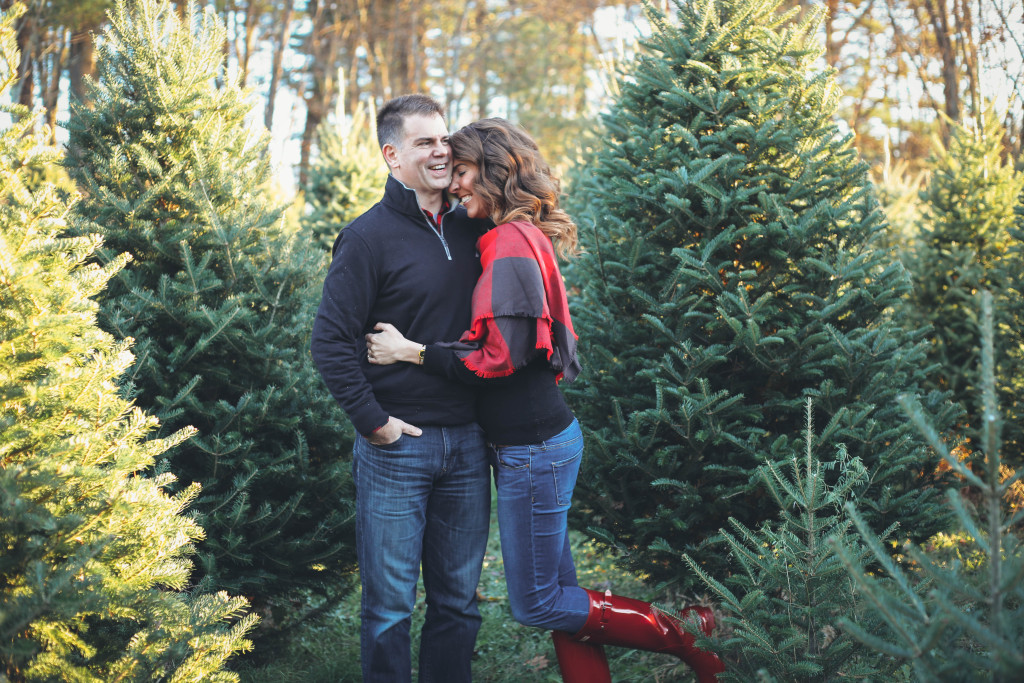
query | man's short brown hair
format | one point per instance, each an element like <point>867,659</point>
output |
<point>391,117</point>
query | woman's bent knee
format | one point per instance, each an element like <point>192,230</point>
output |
<point>535,615</point>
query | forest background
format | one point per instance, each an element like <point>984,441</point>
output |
<point>792,215</point>
<point>902,64</point>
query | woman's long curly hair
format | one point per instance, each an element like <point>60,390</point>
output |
<point>514,180</point>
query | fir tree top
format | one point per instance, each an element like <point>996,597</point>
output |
<point>169,123</point>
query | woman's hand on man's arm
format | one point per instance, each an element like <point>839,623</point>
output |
<point>388,345</point>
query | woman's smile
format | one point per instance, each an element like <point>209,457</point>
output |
<point>464,178</point>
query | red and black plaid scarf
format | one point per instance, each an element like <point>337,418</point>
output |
<point>519,306</point>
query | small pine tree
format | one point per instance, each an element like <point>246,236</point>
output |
<point>963,246</point>
<point>782,611</point>
<point>948,623</point>
<point>221,297</point>
<point>94,556</point>
<point>732,270</point>
<point>346,178</point>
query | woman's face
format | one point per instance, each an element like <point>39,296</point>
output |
<point>464,177</point>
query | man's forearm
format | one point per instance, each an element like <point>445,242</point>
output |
<point>339,367</point>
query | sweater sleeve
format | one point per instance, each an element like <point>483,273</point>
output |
<point>337,340</point>
<point>518,332</point>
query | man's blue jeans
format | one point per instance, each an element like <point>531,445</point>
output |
<point>535,485</point>
<point>421,500</point>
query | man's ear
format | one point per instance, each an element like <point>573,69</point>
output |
<point>390,153</point>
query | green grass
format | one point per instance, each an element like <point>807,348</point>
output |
<point>328,651</point>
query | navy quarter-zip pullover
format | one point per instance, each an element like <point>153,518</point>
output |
<point>391,265</point>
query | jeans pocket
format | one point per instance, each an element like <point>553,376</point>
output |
<point>565,473</point>
<point>512,457</point>
<point>389,447</point>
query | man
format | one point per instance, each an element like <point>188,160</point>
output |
<point>420,466</point>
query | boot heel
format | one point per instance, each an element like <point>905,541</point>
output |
<point>580,662</point>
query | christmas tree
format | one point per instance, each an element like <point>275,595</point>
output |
<point>95,556</point>
<point>963,246</point>
<point>346,178</point>
<point>732,271</point>
<point>220,296</point>
<point>961,618</point>
<point>781,611</point>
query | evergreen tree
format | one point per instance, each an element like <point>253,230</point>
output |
<point>964,246</point>
<point>732,271</point>
<point>782,610</point>
<point>346,179</point>
<point>1010,368</point>
<point>949,623</point>
<point>94,556</point>
<point>221,297</point>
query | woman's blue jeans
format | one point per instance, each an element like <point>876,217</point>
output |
<point>421,500</point>
<point>534,485</point>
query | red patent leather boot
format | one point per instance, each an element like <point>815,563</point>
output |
<point>615,620</point>
<point>580,662</point>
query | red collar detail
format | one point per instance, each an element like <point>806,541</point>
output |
<point>432,218</point>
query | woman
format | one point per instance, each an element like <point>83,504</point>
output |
<point>520,344</point>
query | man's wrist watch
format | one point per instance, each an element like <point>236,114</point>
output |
<point>422,354</point>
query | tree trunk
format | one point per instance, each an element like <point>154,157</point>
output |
<point>409,41</point>
<point>277,69</point>
<point>314,117</point>
<point>352,90</point>
<point>453,72</point>
<point>374,28</point>
<point>50,78</point>
<point>327,34</point>
<point>248,40</point>
<point>906,47</point>
<point>398,55</point>
<point>969,53</point>
<point>419,62</point>
<point>81,63</point>
<point>482,94</point>
<point>831,51</point>
<point>26,67</point>
<point>939,18</point>
<point>227,48</point>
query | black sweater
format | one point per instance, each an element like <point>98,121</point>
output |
<point>524,408</point>
<point>390,265</point>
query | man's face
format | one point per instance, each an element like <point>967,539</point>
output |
<point>422,160</point>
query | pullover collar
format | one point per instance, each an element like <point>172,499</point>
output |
<point>403,199</point>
